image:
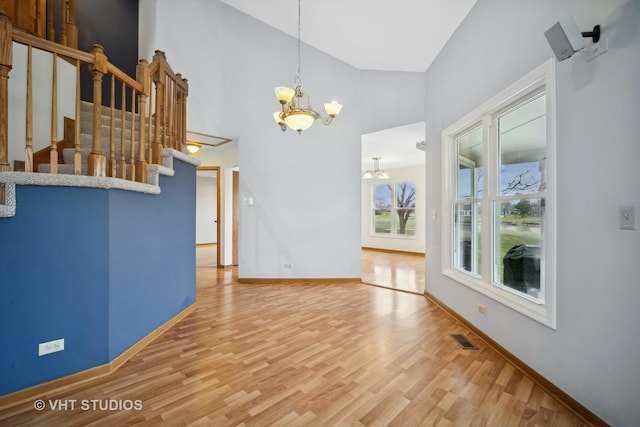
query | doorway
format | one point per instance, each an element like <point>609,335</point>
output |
<point>208,216</point>
<point>393,208</point>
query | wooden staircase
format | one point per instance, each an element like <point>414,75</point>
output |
<point>101,140</point>
<point>124,144</point>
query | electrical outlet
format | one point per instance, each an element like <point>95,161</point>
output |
<point>288,266</point>
<point>482,309</point>
<point>50,347</point>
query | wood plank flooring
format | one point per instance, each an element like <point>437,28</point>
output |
<point>307,354</point>
<point>396,270</point>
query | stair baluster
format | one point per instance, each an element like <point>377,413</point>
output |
<point>122,172</point>
<point>51,29</point>
<point>28,155</point>
<point>77,157</point>
<point>159,80</point>
<point>53,154</point>
<point>169,140</point>
<point>183,112</point>
<point>112,130</point>
<point>151,120</point>
<point>132,145</point>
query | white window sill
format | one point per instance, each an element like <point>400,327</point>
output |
<point>527,306</point>
<point>394,236</point>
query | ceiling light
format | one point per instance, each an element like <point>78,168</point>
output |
<point>193,147</point>
<point>376,173</point>
<point>295,114</point>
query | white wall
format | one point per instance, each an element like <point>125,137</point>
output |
<point>305,187</point>
<point>42,71</point>
<point>193,48</point>
<point>593,354</point>
<point>233,62</point>
<point>409,244</point>
<point>206,207</point>
<point>146,28</point>
<point>391,99</point>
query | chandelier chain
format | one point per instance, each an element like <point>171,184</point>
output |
<point>298,80</point>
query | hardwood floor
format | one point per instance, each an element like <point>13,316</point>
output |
<point>206,255</point>
<point>396,270</point>
<point>307,354</point>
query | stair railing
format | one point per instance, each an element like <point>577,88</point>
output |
<point>170,107</point>
<point>163,118</point>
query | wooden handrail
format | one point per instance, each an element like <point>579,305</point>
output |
<point>122,76</point>
<point>23,37</point>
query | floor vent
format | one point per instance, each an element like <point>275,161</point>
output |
<point>464,342</point>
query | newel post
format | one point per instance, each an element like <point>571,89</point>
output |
<point>97,162</point>
<point>182,115</point>
<point>6,40</point>
<point>142,75</point>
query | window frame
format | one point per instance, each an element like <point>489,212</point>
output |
<point>393,234</point>
<point>541,78</point>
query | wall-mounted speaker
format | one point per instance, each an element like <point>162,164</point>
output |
<point>565,38</point>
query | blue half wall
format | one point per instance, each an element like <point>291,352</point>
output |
<point>99,268</point>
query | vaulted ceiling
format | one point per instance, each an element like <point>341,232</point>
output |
<point>384,35</point>
<point>390,35</point>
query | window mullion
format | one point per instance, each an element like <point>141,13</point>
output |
<point>394,210</point>
<point>489,156</point>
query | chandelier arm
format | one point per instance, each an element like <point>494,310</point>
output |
<point>326,120</point>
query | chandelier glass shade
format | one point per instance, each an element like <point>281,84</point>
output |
<point>296,112</point>
<point>376,173</point>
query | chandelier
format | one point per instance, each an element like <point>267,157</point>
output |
<point>297,113</point>
<point>376,173</point>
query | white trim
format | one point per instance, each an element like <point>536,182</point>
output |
<point>545,313</point>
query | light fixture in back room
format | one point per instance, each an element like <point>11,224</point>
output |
<point>376,173</point>
<point>297,113</point>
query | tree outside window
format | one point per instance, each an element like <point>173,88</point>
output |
<point>394,211</point>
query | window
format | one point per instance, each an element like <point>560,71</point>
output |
<point>498,197</point>
<point>394,209</point>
